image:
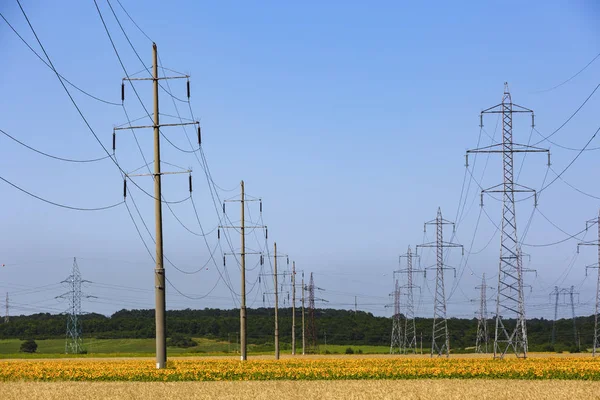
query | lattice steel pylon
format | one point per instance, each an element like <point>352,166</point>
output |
<point>481,342</point>
<point>312,327</point>
<point>596,243</point>
<point>510,299</point>
<point>74,341</point>
<point>440,322</point>
<point>409,342</point>
<point>570,292</point>
<point>396,342</point>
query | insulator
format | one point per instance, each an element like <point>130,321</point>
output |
<point>261,206</point>
<point>190,183</point>
<point>288,297</point>
<point>199,135</point>
<point>188,88</point>
<point>263,298</point>
<point>223,260</point>
<point>125,188</point>
<point>259,279</point>
<point>223,208</point>
<point>266,233</point>
<point>262,260</point>
<point>122,91</point>
<point>114,141</point>
<point>288,261</point>
<point>219,234</point>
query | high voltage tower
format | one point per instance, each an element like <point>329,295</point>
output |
<point>557,293</point>
<point>409,340</point>
<point>440,322</point>
<point>396,343</point>
<point>596,243</point>
<point>159,270</point>
<point>6,317</point>
<point>510,299</point>
<point>74,341</point>
<point>242,253</point>
<point>481,342</point>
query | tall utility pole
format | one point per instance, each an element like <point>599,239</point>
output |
<point>303,328</point>
<point>275,276</point>
<point>396,343</point>
<point>596,243</point>
<point>440,338</point>
<point>242,253</point>
<point>510,298</point>
<point>294,308</point>
<point>6,312</point>
<point>74,341</point>
<point>312,327</point>
<point>159,270</point>
<point>481,343</point>
<point>409,342</point>
<point>555,293</point>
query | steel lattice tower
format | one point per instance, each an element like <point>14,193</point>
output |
<point>6,317</point>
<point>481,343</point>
<point>556,293</point>
<point>312,327</point>
<point>510,298</point>
<point>597,244</point>
<point>396,343</point>
<point>440,338</point>
<point>409,342</point>
<point>74,342</point>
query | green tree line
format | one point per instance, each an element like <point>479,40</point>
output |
<point>339,326</point>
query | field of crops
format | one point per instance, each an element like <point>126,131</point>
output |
<point>345,368</point>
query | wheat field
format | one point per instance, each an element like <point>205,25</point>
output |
<point>322,390</point>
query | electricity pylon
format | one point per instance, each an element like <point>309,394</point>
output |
<point>275,274</point>
<point>6,317</point>
<point>440,322</point>
<point>597,265</point>
<point>242,253</point>
<point>564,292</point>
<point>510,298</point>
<point>481,343</point>
<point>396,343</point>
<point>159,269</point>
<point>74,341</point>
<point>409,341</point>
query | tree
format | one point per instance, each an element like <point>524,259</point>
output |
<point>29,346</point>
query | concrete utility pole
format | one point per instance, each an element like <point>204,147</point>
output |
<point>303,329</point>
<point>510,298</point>
<point>597,310</point>
<point>440,322</point>
<point>276,302</point>
<point>159,270</point>
<point>242,228</point>
<point>294,308</point>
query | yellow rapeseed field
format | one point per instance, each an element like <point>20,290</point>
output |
<point>571,368</point>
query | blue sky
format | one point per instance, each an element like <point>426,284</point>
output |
<point>350,120</point>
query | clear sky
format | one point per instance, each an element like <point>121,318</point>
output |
<point>349,119</point>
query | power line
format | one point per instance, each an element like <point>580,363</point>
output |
<point>571,78</point>
<point>50,155</point>
<point>52,68</point>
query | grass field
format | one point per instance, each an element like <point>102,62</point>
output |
<point>322,390</point>
<point>55,348</point>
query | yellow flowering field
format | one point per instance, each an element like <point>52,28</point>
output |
<point>299,369</point>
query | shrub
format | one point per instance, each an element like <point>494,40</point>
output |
<point>349,350</point>
<point>359,351</point>
<point>181,341</point>
<point>29,346</point>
